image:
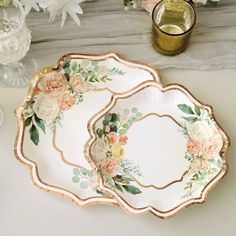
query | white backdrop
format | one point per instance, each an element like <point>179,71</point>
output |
<point>28,211</point>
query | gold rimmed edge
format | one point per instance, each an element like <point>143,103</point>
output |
<point>206,189</point>
<point>34,175</point>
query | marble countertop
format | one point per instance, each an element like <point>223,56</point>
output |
<point>105,26</point>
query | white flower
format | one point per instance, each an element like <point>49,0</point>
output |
<point>62,7</point>
<point>99,150</point>
<point>46,107</point>
<point>200,130</point>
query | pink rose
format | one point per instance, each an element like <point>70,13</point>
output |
<point>193,147</point>
<point>53,84</point>
<point>199,164</point>
<point>148,5</point>
<point>212,146</point>
<point>78,84</point>
<point>113,137</point>
<point>107,129</point>
<point>110,167</point>
<point>66,101</point>
<point>123,139</point>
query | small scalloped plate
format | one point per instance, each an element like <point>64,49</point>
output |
<point>52,121</point>
<point>157,149</point>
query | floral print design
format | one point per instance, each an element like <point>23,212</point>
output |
<point>203,148</point>
<point>109,154</point>
<point>87,180</point>
<point>62,89</point>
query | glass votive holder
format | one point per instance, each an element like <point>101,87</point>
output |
<point>172,24</point>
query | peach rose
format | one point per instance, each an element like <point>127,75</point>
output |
<point>78,84</point>
<point>110,167</point>
<point>193,147</point>
<point>148,5</point>
<point>107,129</point>
<point>53,84</point>
<point>123,139</point>
<point>212,146</point>
<point>66,101</point>
<point>198,164</point>
<point>113,137</point>
<point>46,107</point>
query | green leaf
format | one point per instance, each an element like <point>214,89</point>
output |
<point>134,110</point>
<point>40,123</point>
<point>34,134</point>
<point>186,109</point>
<point>75,179</point>
<point>94,63</point>
<point>99,132</point>
<point>74,66</point>
<point>68,71</point>
<point>190,119</point>
<point>132,189</point>
<point>139,114</point>
<point>119,187</point>
<point>114,117</point>
<point>66,65</point>
<point>126,126</point>
<point>90,173</point>
<point>197,110</point>
<point>84,185</point>
<point>122,131</point>
<point>76,171</point>
<point>83,171</point>
<point>67,76</point>
<point>108,117</point>
<point>28,121</point>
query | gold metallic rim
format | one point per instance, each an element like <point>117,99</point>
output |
<point>154,211</point>
<point>19,138</point>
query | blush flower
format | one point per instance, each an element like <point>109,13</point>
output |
<point>66,101</point>
<point>123,139</point>
<point>78,84</point>
<point>212,146</point>
<point>46,107</point>
<point>199,164</point>
<point>110,167</point>
<point>113,137</point>
<point>53,84</point>
<point>193,147</point>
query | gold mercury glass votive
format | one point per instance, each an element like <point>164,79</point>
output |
<point>172,24</point>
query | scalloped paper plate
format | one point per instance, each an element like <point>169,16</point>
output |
<point>53,120</point>
<point>157,149</point>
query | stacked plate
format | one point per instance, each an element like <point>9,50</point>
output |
<point>102,130</point>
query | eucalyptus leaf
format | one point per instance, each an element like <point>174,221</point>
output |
<point>34,134</point>
<point>132,189</point>
<point>40,123</point>
<point>28,121</point>
<point>186,109</point>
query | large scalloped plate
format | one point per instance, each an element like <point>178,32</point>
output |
<point>52,121</point>
<point>157,149</point>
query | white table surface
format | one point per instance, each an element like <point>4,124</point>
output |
<point>28,211</point>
